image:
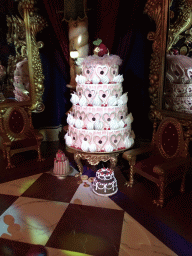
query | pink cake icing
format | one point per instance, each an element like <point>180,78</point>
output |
<point>61,164</point>
<point>99,120</point>
<point>105,183</point>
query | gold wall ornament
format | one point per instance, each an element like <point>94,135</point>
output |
<point>17,133</point>
<point>34,24</point>
<point>158,11</point>
<point>180,24</point>
<point>173,24</point>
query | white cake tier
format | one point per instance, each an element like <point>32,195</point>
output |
<point>99,118</point>
<point>99,141</point>
<point>103,92</point>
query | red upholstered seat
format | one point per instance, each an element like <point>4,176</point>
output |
<point>164,160</point>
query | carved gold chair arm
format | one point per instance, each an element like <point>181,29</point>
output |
<point>147,148</point>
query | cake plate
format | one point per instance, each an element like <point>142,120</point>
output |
<point>93,158</point>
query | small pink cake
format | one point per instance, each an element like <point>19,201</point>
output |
<point>61,165</point>
<point>105,183</point>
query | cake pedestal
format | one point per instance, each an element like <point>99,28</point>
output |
<point>93,158</point>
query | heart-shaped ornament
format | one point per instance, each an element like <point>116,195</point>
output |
<point>102,70</point>
<point>121,115</point>
<point>100,142</point>
<point>84,138</point>
<point>81,115</point>
<point>90,95</point>
<point>79,91</point>
<point>93,117</point>
<point>115,140</point>
<point>117,91</point>
<point>114,70</point>
<point>108,117</point>
<point>74,137</point>
<point>88,71</point>
<point>104,95</point>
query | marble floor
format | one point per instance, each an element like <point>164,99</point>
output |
<point>43,215</point>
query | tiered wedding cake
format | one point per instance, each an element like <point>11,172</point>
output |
<point>105,183</point>
<point>99,120</point>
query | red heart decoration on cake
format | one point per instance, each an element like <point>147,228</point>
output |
<point>108,117</point>
<point>121,115</point>
<point>79,91</point>
<point>90,95</point>
<point>114,70</point>
<point>74,137</point>
<point>80,115</point>
<point>104,95</point>
<point>84,137</point>
<point>93,117</point>
<point>102,70</point>
<point>88,71</point>
<point>100,142</point>
<point>117,91</point>
<point>115,140</point>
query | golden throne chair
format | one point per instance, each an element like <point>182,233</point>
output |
<point>164,160</point>
<point>17,133</point>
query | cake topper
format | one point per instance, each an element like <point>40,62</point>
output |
<point>100,48</point>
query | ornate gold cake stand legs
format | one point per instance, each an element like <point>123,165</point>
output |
<point>94,159</point>
<point>132,160</point>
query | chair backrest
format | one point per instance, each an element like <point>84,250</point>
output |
<point>168,139</point>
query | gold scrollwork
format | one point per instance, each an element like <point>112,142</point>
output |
<point>94,159</point>
<point>34,23</point>
<point>157,11</point>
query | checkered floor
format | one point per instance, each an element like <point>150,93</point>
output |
<point>42,213</point>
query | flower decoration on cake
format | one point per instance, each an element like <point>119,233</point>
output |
<point>100,48</point>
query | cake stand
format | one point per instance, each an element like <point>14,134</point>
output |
<point>93,158</point>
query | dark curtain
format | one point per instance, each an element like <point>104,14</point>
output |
<point>123,28</point>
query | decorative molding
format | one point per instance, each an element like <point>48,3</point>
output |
<point>158,11</point>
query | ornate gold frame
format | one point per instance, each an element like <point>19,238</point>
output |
<point>22,33</point>
<point>158,10</point>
